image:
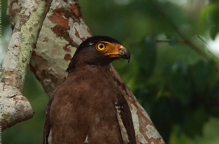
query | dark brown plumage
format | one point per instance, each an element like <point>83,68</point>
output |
<point>89,106</point>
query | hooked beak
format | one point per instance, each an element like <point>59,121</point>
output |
<point>124,53</point>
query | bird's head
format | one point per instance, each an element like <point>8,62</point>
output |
<point>98,50</point>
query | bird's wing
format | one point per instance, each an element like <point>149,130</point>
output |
<point>125,120</point>
<point>47,126</point>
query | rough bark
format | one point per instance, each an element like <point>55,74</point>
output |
<point>62,31</point>
<point>26,20</point>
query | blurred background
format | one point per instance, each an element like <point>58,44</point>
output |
<point>173,70</point>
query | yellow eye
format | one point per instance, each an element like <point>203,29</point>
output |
<point>100,47</point>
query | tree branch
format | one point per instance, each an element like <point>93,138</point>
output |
<point>26,19</point>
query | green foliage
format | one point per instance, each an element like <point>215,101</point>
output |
<point>4,18</point>
<point>182,95</point>
<point>209,15</point>
<point>178,87</point>
<point>177,80</point>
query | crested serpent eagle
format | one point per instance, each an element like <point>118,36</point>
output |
<point>89,107</point>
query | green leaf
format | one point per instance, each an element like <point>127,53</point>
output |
<point>173,41</point>
<point>213,100</point>
<point>210,8</point>
<point>213,32</point>
<point>178,82</point>
<point>194,121</point>
<point>213,74</point>
<point>145,55</point>
<point>199,75</point>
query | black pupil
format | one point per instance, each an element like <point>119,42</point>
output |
<point>101,46</point>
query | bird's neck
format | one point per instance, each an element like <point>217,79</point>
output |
<point>89,68</point>
<point>78,62</point>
